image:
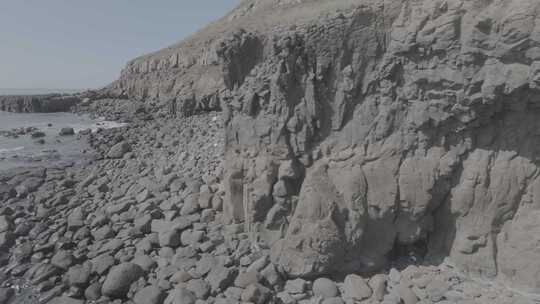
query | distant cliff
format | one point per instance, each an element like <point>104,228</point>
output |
<point>38,103</point>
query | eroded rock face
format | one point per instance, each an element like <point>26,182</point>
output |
<point>329,222</point>
<point>38,103</point>
<point>395,123</point>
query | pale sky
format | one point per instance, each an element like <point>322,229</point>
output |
<point>77,44</point>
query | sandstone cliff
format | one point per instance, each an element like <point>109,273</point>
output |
<point>356,129</point>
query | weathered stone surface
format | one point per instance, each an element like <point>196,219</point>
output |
<point>354,135</point>
<point>325,288</point>
<point>118,150</point>
<point>355,288</point>
<point>149,295</point>
<point>79,275</point>
<point>120,277</point>
<point>5,224</point>
<point>38,103</point>
<point>256,293</point>
<point>221,277</point>
<point>180,296</point>
<point>6,294</point>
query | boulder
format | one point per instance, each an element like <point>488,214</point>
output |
<point>6,294</point>
<point>244,279</point>
<point>79,275</point>
<point>256,293</point>
<point>180,296</point>
<point>118,150</point>
<point>355,288</point>
<point>5,224</point>
<point>325,288</point>
<point>119,279</point>
<point>63,259</point>
<point>220,277</point>
<point>149,295</point>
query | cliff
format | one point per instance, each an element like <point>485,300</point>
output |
<point>357,129</point>
<point>38,103</point>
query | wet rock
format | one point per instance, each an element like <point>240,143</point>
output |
<point>244,279</point>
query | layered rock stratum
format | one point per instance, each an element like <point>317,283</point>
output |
<point>357,127</point>
<point>38,103</point>
<point>303,151</point>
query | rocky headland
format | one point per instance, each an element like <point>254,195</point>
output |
<point>38,103</point>
<point>301,151</point>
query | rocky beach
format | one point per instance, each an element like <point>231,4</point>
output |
<point>296,151</point>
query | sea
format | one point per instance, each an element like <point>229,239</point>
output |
<point>25,150</point>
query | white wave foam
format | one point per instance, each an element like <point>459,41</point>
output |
<point>11,150</point>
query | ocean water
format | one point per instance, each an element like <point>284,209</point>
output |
<point>25,150</point>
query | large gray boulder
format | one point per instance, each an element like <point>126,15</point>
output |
<point>149,295</point>
<point>118,150</point>
<point>119,279</point>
